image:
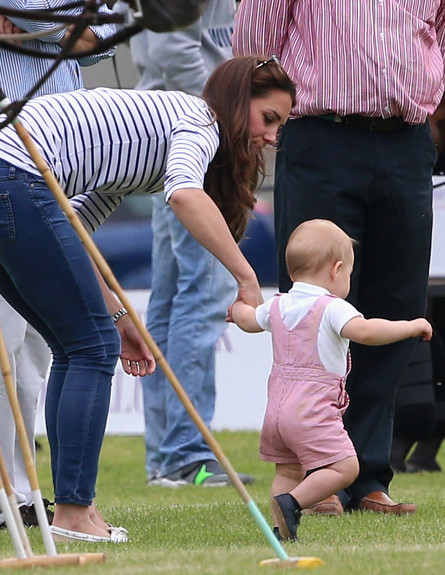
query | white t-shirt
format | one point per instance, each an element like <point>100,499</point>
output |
<point>332,347</point>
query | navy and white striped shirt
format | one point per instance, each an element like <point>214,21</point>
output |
<point>104,144</point>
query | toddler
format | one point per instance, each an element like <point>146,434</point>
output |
<point>311,325</point>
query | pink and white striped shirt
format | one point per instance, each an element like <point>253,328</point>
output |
<point>369,57</point>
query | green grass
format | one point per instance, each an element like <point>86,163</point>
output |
<point>203,531</point>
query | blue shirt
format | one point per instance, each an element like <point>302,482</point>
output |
<point>19,73</point>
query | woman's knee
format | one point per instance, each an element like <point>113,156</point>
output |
<point>111,347</point>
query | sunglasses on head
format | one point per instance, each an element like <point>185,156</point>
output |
<point>273,58</point>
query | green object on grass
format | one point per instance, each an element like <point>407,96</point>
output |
<point>265,528</point>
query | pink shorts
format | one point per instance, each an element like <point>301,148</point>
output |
<point>303,424</point>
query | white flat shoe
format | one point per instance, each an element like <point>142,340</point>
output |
<point>120,528</point>
<point>117,535</point>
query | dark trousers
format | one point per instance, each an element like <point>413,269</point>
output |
<point>378,188</point>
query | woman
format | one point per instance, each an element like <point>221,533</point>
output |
<point>103,145</point>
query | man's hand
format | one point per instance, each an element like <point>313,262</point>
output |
<point>7,27</point>
<point>87,40</point>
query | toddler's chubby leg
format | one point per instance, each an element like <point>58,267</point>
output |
<point>287,478</point>
<point>306,491</point>
<point>325,481</point>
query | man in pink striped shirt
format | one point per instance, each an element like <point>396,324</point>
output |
<point>358,151</point>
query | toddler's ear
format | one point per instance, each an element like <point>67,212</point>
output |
<point>335,270</point>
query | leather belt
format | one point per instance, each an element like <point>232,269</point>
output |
<point>382,125</point>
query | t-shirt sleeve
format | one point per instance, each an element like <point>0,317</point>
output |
<point>339,312</point>
<point>262,314</point>
<point>193,145</point>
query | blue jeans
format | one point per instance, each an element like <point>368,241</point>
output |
<point>46,275</point>
<point>191,291</point>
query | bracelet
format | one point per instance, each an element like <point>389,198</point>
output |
<point>116,316</point>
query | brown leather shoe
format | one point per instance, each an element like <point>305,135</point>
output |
<point>329,506</point>
<point>379,502</point>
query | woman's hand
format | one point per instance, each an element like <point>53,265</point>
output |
<point>136,358</point>
<point>250,293</point>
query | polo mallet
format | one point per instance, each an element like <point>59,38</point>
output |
<point>11,513</point>
<point>26,450</point>
<point>8,504</point>
<point>283,558</point>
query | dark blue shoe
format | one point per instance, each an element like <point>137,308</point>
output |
<point>276,532</point>
<point>288,516</point>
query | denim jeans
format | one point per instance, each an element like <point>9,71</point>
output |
<point>46,275</point>
<point>191,291</point>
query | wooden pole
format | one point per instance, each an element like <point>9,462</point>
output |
<point>48,540</point>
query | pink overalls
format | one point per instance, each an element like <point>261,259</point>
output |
<point>303,421</point>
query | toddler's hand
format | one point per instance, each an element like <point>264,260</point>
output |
<point>229,317</point>
<point>422,328</point>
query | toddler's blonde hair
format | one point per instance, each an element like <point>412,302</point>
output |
<point>315,243</point>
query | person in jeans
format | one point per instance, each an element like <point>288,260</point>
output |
<point>28,353</point>
<point>191,290</point>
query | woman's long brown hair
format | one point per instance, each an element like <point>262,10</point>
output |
<point>232,177</point>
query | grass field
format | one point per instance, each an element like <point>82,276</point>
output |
<point>204,531</point>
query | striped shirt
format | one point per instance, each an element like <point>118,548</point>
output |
<point>19,73</point>
<point>105,144</point>
<point>369,57</point>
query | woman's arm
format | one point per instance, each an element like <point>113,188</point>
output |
<point>202,218</point>
<point>135,356</point>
